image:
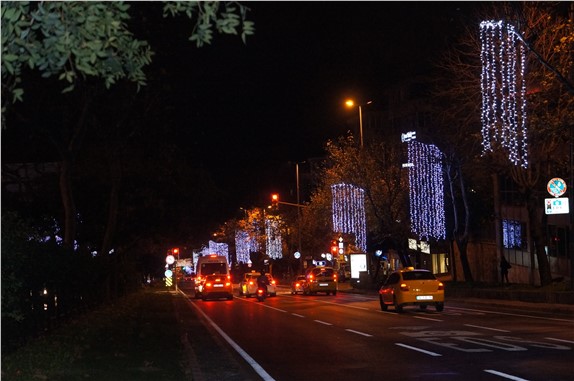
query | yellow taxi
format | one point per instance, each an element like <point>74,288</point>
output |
<point>412,286</point>
<point>216,287</point>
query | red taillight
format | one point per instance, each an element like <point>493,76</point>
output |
<point>208,284</point>
<point>260,291</point>
<point>297,284</point>
<point>310,277</point>
<point>335,277</point>
<point>227,284</point>
<point>273,282</point>
<point>440,286</point>
<point>251,283</point>
<point>404,287</point>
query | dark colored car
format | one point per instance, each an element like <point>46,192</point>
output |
<point>320,279</point>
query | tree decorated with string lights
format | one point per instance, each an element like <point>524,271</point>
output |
<point>374,171</point>
<point>514,118</point>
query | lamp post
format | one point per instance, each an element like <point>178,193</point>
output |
<point>350,103</point>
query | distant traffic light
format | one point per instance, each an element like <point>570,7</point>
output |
<point>334,248</point>
<point>175,251</point>
<point>274,200</point>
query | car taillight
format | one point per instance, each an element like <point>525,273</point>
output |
<point>251,283</point>
<point>260,291</point>
<point>297,284</point>
<point>208,284</point>
<point>335,277</point>
<point>440,286</point>
<point>227,284</point>
<point>273,282</point>
<point>404,287</point>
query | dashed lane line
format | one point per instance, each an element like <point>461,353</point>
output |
<point>505,375</point>
<point>434,354</point>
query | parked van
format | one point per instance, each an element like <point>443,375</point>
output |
<point>212,264</point>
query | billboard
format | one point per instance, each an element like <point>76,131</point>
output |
<point>358,263</point>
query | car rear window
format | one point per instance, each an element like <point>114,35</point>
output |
<point>418,275</point>
<point>323,272</point>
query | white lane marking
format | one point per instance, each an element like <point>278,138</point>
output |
<point>322,322</point>
<point>509,314</point>
<point>274,308</point>
<point>258,368</point>
<point>294,314</point>
<point>359,333</point>
<point>426,318</point>
<point>491,329</point>
<point>505,375</point>
<point>562,340</point>
<point>418,349</point>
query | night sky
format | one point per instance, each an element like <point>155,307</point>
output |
<point>251,109</point>
<point>246,113</point>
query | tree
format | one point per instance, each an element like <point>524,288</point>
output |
<point>548,35</point>
<point>79,43</point>
<point>91,39</point>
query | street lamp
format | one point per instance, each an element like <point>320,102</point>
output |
<point>350,103</point>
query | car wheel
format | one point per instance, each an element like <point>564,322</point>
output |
<point>423,307</point>
<point>398,307</point>
<point>439,307</point>
<point>384,307</point>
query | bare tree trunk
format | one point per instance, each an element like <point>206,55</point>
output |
<point>68,203</point>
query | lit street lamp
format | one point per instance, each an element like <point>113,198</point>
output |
<point>350,103</point>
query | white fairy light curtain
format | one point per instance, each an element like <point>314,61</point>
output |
<point>273,240</point>
<point>349,212</point>
<point>219,249</point>
<point>503,87</point>
<point>244,245</point>
<point>426,191</point>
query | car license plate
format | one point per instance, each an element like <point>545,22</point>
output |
<point>424,297</point>
<point>217,285</point>
<point>323,284</point>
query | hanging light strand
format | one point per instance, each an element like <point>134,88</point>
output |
<point>349,212</point>
<point>503,87</point>
<point>426,191</point>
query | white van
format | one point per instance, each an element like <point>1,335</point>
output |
<point>211,264</point>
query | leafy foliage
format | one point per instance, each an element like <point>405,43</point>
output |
<point>69,39</point>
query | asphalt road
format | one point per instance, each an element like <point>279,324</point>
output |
<point>347,337</point>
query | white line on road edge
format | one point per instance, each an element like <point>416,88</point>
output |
<point>509,376</point>
<point>418,349</point>
<point>359,333</point>
<point>260,371</point>
<point>491,329</point>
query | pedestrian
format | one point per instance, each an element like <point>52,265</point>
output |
<point>504,266</point>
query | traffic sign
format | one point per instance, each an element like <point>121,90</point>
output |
<point>557,205</point>
<point>556,187</point>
